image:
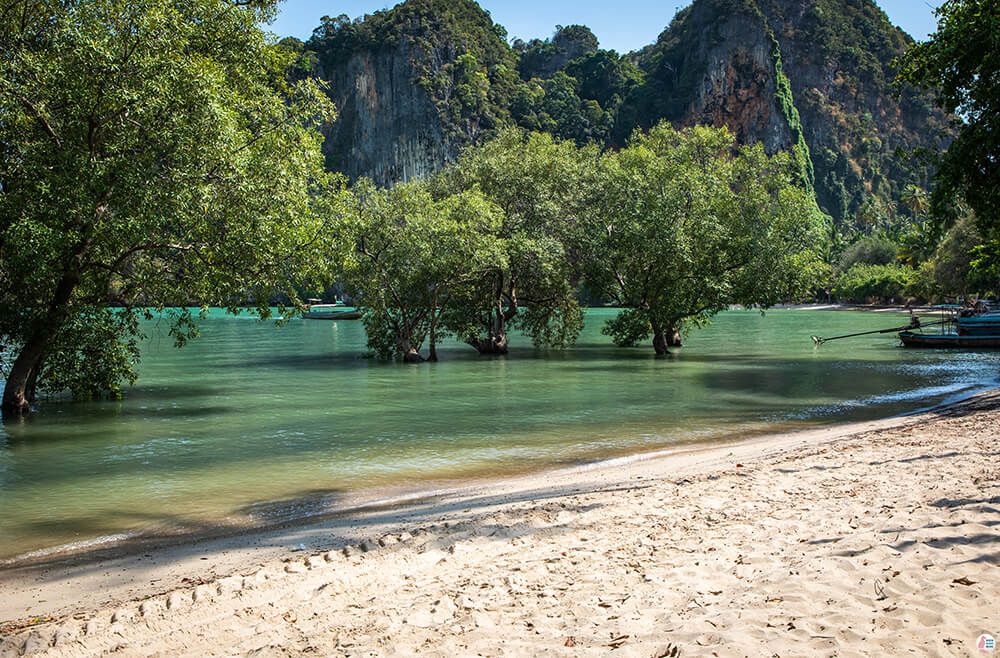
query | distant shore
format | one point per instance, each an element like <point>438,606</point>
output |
<point>874,538</point>
<point>872,308</point>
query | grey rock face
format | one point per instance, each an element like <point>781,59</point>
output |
<point>739,84</point>
<point>387,127</point>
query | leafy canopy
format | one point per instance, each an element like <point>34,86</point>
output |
<point>681,228</point>
<point>153,153</point>
<point>413,255</point>
<point>961,62</point>
<point>534,181</point>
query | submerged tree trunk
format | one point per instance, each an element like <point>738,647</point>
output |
<point>406,351</point>
<point>674,337</point>
<point>31,390</point>
<point>19,391</point>
<point>491,344</point>
<point>660,343</point>
<point>495,341</point>
<point>661,339</point>
<point>665,337</point>
<point>412,356</point>
<point>432,354</point>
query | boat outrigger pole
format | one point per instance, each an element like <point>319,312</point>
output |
<point>914,324</point>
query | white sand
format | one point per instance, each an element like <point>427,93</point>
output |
<point>880,539</point>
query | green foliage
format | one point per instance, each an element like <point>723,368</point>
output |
<point>535,182</point>
<point>629,328</point>
<point>984,270</point>
<point>786,104</point>
<point>960,266</point>
<point>953,258</point>
<point>560,111</point>
<point>863,282</point>
<point>478,250</point>
<point>153,153</point>
<point>413,255</point>
<point>541,59</point>
<point>923,284</point>
<point>680,228</point>
<point>869,251</point>
<point>961,62</point>
<point>604,77</point>
<point>571,89</point>
<point>92,356</point>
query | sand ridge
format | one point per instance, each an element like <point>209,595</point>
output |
<point>884,542</point>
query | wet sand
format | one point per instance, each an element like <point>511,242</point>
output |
<point>878,538</point>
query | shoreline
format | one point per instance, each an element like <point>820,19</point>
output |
<point>83,595</point>
<point>314,504</point>
<point>127,544</point>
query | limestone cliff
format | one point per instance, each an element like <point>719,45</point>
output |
<point>838,55</point>
<point>416,83</point>
<point>412,86</point>
<point>388,129</point>
<point>714,67</point>
<point>816,72</point>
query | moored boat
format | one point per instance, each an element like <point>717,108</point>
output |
<point>912,339</point>
<point>984,324</point>
<point>335,311</point>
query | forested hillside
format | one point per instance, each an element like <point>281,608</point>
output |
<point>416,83</point>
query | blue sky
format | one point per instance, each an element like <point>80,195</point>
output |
<point>622,25</point>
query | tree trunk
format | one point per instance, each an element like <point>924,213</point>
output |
<point>31,390</point>
<point>412,356</point>
<point>661,339</point>
<point>407,352</point>
<point>19,389</point>
<point>674,337</point>
<point>491,345</point>
<point>660,343</point>
<point>432,353</point>
<point>496,340</point>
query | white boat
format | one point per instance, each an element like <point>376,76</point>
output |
<point>336,311</point>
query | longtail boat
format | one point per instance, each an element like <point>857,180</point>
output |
<point>911,339</point>
<point>962,328</point>
<point>984,324</point>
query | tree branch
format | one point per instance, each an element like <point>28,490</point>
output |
<point>41,119</point>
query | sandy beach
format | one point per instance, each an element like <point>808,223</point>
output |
<point>870,539</point>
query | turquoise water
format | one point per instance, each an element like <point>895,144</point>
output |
<point>251,413</point>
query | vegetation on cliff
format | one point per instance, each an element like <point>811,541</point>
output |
<point>862,132</point>
<point>841,118</point>
<point>685,224</point>
<point>457,55</point>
